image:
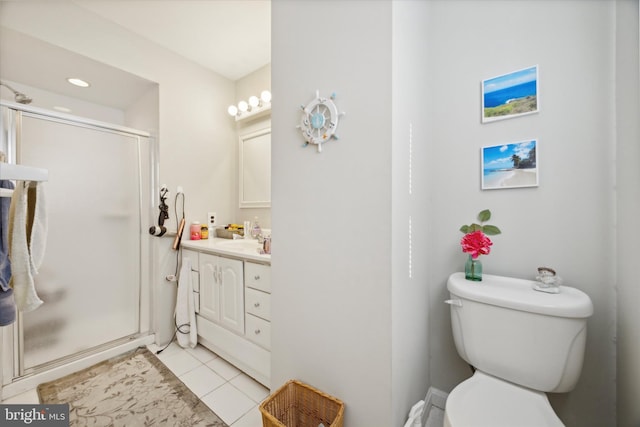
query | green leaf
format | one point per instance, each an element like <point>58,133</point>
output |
<point>464,229</point>
<point>475,227</point>
<point>484,215</point>
<point>491,230</point>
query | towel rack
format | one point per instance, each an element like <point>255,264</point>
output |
<point>20,173</point>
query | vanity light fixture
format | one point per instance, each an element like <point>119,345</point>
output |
<point>254,101</point>
<point>78,82</point>
<point>253,107</point>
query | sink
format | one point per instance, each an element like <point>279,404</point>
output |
<point>241,244</point>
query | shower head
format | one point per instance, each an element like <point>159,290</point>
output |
<point>20,97</point>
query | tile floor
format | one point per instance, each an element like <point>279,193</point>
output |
<point>231,394</point>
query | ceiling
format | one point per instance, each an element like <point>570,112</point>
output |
<point>229,37</point>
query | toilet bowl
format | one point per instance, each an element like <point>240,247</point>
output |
<point>522,344</point>
<point>486,401</point>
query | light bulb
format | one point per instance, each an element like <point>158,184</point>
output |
<point>254,101</point>
<point>243,106</point>
<point>232,110</point>
<point>265,96</point>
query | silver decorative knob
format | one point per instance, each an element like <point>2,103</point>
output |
<point>256,305</point>
<point>256,277</point>
<point>257,332</point>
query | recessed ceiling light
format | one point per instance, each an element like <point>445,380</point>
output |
<point>78,82</point>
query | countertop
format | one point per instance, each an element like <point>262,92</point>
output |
<point>241,248</point>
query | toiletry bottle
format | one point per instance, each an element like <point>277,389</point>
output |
<point>256,230</point>
<point>195,230</point>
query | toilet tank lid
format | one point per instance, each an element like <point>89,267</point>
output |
<point>518,294</point>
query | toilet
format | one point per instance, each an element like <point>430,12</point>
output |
<point>522,344</point>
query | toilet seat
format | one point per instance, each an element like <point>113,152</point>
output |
<point>486,401</point>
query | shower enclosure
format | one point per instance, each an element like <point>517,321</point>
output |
<point>95,274</point>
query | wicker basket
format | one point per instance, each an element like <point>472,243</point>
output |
<point>296,404</point>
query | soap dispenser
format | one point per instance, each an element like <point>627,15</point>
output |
<point>256,230</point>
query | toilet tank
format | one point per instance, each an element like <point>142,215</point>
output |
<point>504,328</point>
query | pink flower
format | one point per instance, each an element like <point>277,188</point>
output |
<point>476,244</point>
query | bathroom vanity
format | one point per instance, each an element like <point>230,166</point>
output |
<point>232,282</point>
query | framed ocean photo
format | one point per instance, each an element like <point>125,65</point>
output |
<point>510,95</point>
<point>510,165</point>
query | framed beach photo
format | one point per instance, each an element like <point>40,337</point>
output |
<point>510,95</point>
<point>510,165</point>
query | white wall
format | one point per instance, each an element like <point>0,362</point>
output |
<point>331,260</point>
<point>410,209</point>
<point>628,212</point>
<point>568,221</point>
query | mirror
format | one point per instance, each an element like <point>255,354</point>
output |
<point>255,169</point>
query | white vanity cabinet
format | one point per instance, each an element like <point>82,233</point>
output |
<point>222,291</point>
<point>234,317</point>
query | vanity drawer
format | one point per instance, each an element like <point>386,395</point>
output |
<point>258,303</point>
<point>257,276</point>
<point>258,330</point>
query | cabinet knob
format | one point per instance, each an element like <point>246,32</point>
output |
<point>256,277</point>
<point>256,305</point>
<point>257,332</point>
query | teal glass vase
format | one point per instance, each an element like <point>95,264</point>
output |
<point>473,269</point>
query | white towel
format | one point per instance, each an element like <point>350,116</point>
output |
<point>39,225</point>
<point>185,308</point>
<point>23,266</point>
<point>415,415</point>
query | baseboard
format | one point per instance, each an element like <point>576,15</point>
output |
<point>30,382</point>
<point>436,398</point>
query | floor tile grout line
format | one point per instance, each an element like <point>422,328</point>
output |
<point>226,381</point>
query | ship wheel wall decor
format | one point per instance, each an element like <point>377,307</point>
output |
<point>319,120</point>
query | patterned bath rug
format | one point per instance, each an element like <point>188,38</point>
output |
<point>134,389</point>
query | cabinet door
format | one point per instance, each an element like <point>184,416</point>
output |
<point>231,294</point>
<point>209,287</point>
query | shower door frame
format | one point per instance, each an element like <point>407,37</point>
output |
<point>11,338</point>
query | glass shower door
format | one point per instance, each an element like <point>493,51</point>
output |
<point>90,278</point>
